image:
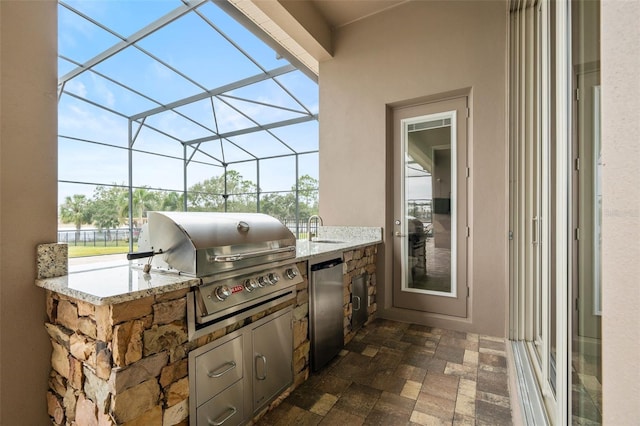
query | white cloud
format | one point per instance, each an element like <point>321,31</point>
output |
<point>73,120</point>
<point>102,90</point>
<point>76,87</point>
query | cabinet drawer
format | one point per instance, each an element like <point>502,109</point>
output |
<point>226,409</point>
<point>217,369</point>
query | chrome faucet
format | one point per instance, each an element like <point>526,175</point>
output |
<point>310,235</point>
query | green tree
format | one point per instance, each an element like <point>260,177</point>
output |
<point>172,201</point>
<point>76,209</point>
<point>283,205</point>
<point>308,190</point>
<point>210,194</point>
<point>109,207</point>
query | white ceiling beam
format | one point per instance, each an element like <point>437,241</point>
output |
<point>295,25</point>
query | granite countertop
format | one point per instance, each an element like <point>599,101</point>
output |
<point>337,239</point>
<point>118,280</point>
<point>115,281</point>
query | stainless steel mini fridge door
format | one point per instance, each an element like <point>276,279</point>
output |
<point>326,312</point>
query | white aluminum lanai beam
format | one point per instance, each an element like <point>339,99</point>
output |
<point>160,23</point>
<point>254,129</point>
<point>218,91</point>
<point>126,42</point>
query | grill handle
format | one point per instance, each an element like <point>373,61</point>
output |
<point>243,256</point>
<point>142,254</point>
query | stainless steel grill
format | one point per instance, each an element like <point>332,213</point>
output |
<point>202,244</point>
<point>245,262</point>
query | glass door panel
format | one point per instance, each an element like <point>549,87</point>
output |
<point>586,341</point>
<point>428,176</point>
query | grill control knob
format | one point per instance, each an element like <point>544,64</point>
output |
<point>273,278</point>
<point>263,281</point>
<point>250,284</point>
<point>222,292</point>
<point>291,273</point>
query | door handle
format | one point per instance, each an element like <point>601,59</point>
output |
<point>535,231</point>
<point>220,372</point>
<point>399,234</point>
<point>230,410</point>
<point>264,362</point>
<point>359,303</point>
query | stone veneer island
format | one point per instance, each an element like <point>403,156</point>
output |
<point>126,362</point>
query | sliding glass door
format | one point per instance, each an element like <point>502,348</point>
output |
<point>532,183</point>
<point>556,199</point>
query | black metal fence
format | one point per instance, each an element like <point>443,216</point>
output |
<point>97,237</point>
<point>120,236</point>
<point>298,227</point>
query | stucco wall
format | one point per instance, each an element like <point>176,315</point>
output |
<point>415,50</point>
<point>621,211</point>
<point>28,187</point>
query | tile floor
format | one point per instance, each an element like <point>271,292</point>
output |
<point>394,373</point>
<point>586,396</point>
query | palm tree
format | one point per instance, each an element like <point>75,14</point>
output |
<point>77,210</point>
<point>142,200</point>
<point>172,201</point>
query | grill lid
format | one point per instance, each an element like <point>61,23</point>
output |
<point>204,243</point>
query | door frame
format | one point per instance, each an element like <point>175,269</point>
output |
<point>586,326</point>
<point>455,303</point>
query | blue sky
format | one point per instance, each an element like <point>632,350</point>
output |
<point>206,61</point>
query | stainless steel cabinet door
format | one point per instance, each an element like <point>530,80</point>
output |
<point>326,313</point>
<point>359,301</point>
<point>272,356</point>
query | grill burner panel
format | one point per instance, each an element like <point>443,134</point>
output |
<point>224,298</point>
<point>233,297</point>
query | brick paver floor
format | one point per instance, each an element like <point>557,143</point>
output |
<point>393,373</point>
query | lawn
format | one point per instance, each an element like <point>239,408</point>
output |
<point>83,251</point>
